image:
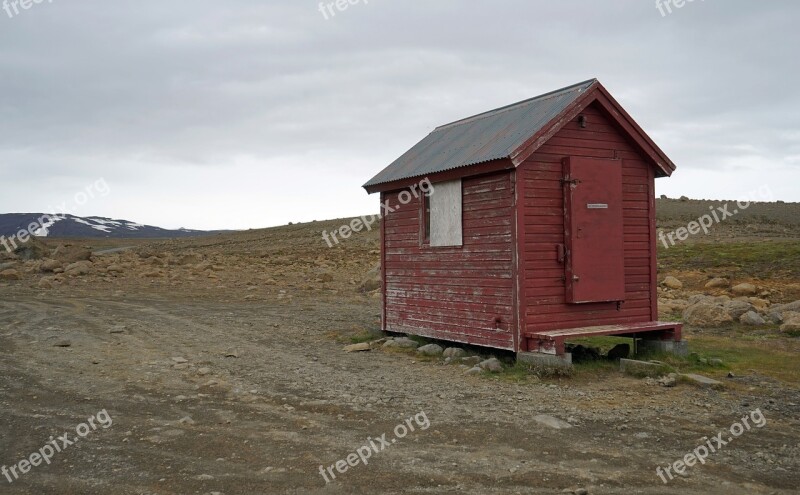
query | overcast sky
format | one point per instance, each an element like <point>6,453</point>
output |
<point>251,113</point>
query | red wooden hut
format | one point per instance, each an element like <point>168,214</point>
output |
<point>539,227</point>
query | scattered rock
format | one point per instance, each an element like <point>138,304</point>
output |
<point>71,254</point>
<point>492,365</point>
<point>232,354</point>
<point>179,360</point>
<point>48,266</point>
<point>78,268</point>
<point>205,477</point>
<point>672,283</point>
<point>737,308</point>
<point>706,315</point>
<point>45,283</point>
<point>63,343</point>
<point>401,343</point>
<point>718,283</point>
<point>668,380</point>
<point>792,323</point>
<point>716,362</point>
<point>701,381</point>
<point>362,347</point>
<point>552,422</point>
<point>190,259</point>
<point>454,352</point>
<point>752,318</point>
<point>473,371</point>
<point>471,360</point>
<point>758,303</point>
<point>9,274</point>
<point>114,268</point>
<point>745,290</point>
<point>117,329</point>
<point>431,350</point>
<point>641,368</point>
<point>793,306</point>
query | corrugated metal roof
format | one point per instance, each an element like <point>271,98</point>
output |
<point>488,136</point>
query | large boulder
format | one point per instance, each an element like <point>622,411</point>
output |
<point>492,365</point>
<point>778,312</point>
<point>792,323</point>
<point>431,350</point>
<point>669,306</point>
<point>401,343</point>
<point>672,283</point>
<point>751,318</point>
<point>706,315</point>
<point>718,283</point>
<point>745,290</point>
<point>737,308</point>
<point>758,303</point>
<point>454,352</point>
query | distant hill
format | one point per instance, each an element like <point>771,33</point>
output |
<point>71,226</point>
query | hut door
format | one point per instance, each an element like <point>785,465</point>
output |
<point>595,262</point>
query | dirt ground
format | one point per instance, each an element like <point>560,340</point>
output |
<point>225,373</point>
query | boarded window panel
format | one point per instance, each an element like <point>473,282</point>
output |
<point>446,214</point>
<point>594,231</point>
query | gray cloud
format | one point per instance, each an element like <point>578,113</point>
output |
<point>252,113</point>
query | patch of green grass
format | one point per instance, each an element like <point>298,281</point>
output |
<point>742,356</point>
<point>764,260</point>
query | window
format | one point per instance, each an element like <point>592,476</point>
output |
<point>443,215</point>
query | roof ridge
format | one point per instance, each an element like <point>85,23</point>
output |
<point>496,111</point>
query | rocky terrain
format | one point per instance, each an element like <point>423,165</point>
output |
<point>223,362</point>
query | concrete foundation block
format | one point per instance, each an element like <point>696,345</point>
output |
<point>545,360</point>
<point>702,381</point>
<point>635,367</point>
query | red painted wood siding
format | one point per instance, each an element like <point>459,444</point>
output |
<point>541,229</point>
<point>454,294</point>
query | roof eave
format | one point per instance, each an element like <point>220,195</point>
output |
<point>597,93</point>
